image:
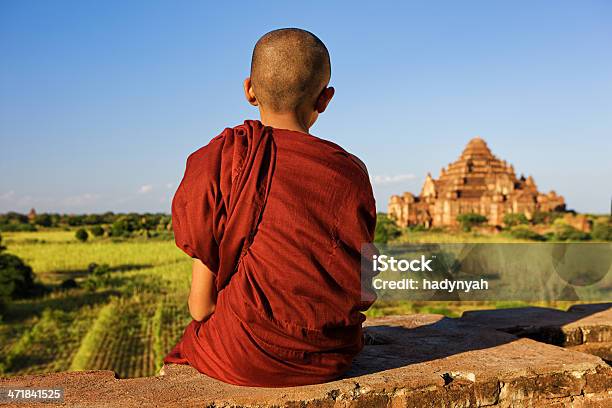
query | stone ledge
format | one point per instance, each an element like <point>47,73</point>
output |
<point>411,361</point>
<point>580,324</point>
<point>602,350</point>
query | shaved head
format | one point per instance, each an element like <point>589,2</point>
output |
<point>289,66</point>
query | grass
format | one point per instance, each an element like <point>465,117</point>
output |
<point>126,326</point>
<point>132,322</point>
<point>417,237</point>
<point>55,255</point>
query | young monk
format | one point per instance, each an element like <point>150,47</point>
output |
<point>274,219</point>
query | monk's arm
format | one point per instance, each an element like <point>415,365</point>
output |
<point>203,294</point>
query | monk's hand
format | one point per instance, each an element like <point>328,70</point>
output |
<point>203,294</point>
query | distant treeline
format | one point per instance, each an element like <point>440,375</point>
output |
<point>117,224</point>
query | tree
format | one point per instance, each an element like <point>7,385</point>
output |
<point>386,229</point>
<point>99,275</point>
<point>4,296</point>
<point>13,221</point>
<point>540,217</point>
<point>150,221</point>
<point>119,228</point>
<point>16,277</point>
<point>108,217</point>
<point>92,219</point>
<point>81,234</point>
<point>44,220</point>
<point>163,223</point>
<point>512,220</point>
<point>74,220</point>
<point>602,231</point>
<point>97,231</point>
<point>524,232</point>
<point>566,232</point>
<point>470,220</point>
<point>124,226</point>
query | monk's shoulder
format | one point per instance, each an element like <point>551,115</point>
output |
<point>344,157</point>
<point>351,165</point>
<point>209,151</point>
<point>360,163</point>
<point>355,171</point>
<point>203,166</point>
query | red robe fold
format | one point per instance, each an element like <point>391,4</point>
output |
<point>279,217</point>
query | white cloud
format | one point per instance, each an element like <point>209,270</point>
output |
<point>11,201</point>
<point>398,178</point>
<point>147,188</point>
<point>79,200</point>
<point>8,196</point>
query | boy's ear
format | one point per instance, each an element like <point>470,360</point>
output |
<point>249,93</point>
<point>324,98</point>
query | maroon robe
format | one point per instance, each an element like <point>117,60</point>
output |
<point>279,217</point>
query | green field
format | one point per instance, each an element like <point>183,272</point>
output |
<point>131,322</point>
<point>126,326</point>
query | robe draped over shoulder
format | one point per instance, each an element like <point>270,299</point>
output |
<point>279,217</point>
<point>218,203</point>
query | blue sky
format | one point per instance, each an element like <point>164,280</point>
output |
<point>102,101</point>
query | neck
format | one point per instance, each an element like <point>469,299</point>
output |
<point>289,121</point>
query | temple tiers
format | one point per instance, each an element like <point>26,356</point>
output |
<point>478,182</point>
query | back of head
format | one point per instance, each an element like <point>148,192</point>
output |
<point>289,66</point>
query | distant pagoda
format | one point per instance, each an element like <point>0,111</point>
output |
<point>478,182</point>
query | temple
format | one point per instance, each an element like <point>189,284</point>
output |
<point>478,182</point>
